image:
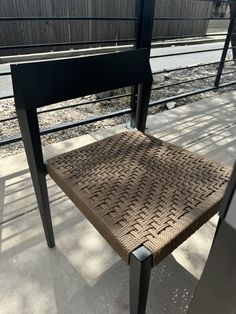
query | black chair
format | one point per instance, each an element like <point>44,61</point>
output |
<point>143,195</point>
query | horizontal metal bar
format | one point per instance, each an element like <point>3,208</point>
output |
<point>188,36</point>
<point>8,119</point>
<point>191,19</point>
<point>64,44</point>
<point>6,97</point>
<point>189,67</point>
<point>227,84</point>
<point>185,68</point>
<point>154,73</point>
<point>184,82</point>
<point>192,80</point>
<point>86,103</point>
<point>179,96</point>
<point>5,73</point>
<point>189,94</point>
<point>186,53</point>
<point>66,18</point>
<point>17,138</point>
<point>10,140</point>
<point>68,44</point>
<point>158,72</point>
<point>226,73</point>
<point>73,106</point>
<point>86,121</point>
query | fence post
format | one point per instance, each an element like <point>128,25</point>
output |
<point>144,12</point>
<point>224,53</point>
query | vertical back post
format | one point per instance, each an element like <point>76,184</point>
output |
<point>137,45</point>
<point>224,53</point>
<point>142,106</point>
<point>143,33</point>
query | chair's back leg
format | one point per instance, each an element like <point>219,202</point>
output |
<point>140,269</point>
<point>41,192</point>
<point>28,122</point>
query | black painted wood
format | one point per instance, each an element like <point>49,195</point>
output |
<point>140,269</point>
<point>44,83</point>
<point>30,133</point>
<point>41,83</point>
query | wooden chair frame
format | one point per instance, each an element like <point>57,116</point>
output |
<point>150,227</point>
<point>42,83</point>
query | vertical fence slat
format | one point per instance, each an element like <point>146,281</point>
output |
<point>33,32</point>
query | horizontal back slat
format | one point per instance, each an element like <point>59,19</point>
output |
<point>48,82</point>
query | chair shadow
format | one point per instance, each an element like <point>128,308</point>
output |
<point>50,282</point>
<point>20,224</point>
<point>171,291</point>
<point>59,280</point>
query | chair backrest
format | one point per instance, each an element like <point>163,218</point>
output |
<point>42,83</point>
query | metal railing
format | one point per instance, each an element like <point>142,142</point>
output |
<point>143,20</point>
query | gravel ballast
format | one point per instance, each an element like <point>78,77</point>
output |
<point>81,112</point>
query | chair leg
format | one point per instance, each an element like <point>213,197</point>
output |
<point>29,127</point>
<point>41,192</point>
<point>140,269</point>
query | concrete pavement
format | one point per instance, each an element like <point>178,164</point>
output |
<point>157,64</point>
<point>172,62</point>
<point>82,274</point>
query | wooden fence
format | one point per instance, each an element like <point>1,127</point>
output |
<point>38,32</point>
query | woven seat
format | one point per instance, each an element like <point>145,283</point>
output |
<point>137,190</point>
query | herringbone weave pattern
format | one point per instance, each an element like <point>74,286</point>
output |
<point>137,190</point>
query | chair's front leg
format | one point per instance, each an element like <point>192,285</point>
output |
<point>140,269</point>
